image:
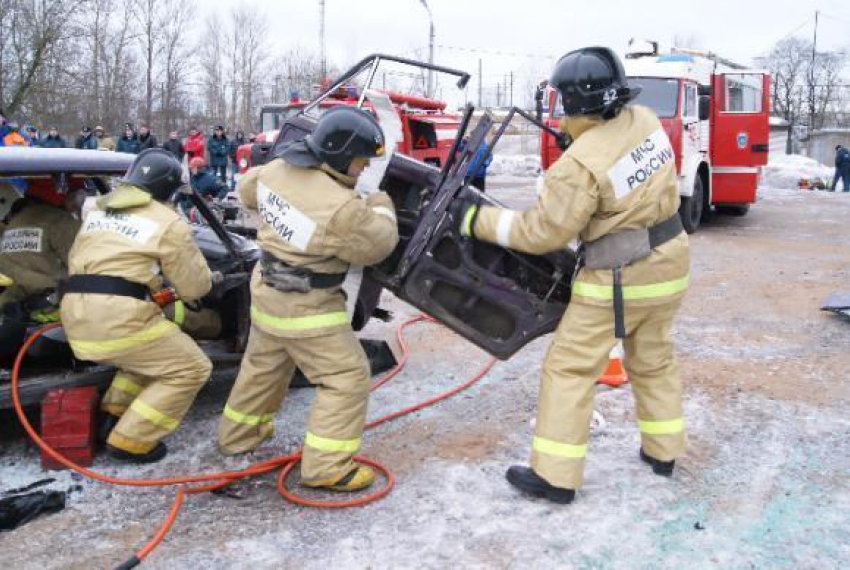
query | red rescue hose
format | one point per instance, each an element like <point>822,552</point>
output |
<point>214,481</point>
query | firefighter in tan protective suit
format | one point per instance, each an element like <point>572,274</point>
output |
<point>615,189</point>
<point>39,230</point>
<point>126,247</point>
<point>312,226</point>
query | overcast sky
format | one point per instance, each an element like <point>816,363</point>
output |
<point>526,36</point>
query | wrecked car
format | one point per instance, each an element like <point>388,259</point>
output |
<point>50,362</point>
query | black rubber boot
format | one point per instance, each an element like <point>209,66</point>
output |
<point>663,468</point>
<point>530,483</point>
<point>104,428</point>
<point>152,456</point>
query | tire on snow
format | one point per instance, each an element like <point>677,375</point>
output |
<point>693,207</point>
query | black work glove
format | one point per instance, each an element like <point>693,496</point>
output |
<point>464,210</point>
<point>222,283</point>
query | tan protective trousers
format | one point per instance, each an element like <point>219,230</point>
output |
<point>576,358</point>
<point>338,367</point>
<point>153,389</point>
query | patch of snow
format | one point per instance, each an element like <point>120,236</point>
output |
<point>514,165</point>
<point>784,171</point>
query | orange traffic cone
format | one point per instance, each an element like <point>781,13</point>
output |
<point>614,375</point>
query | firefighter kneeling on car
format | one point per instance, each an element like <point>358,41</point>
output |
<point>127,246</point>
<point>312,227</point>
<point>615,188</point>
<point>40,225</point>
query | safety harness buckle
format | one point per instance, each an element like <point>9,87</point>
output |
<point>283,277</point>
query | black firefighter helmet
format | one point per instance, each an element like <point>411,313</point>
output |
<point>592,81</point>
<point>341,135</point>
<point>157,172</point>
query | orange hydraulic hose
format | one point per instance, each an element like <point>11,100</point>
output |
<point>216,481</point>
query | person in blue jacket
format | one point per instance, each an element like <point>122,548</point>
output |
<point>129,142</point>
<point>237,141</point>
<point>53,139</point>
<point>842,169</point>
<point>204,181</point>
<point>219,149</point>
<point>477,175</point>
<point>86,140</point>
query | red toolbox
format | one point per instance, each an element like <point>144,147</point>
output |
<point>68,420</point>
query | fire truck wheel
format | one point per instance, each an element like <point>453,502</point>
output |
<point>738,210</point>
<point>691,208</point>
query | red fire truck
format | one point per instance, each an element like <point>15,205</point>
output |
<point>715,113</point>
<point>427,130</point>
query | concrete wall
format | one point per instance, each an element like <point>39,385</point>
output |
<point>821,144</point>
<point>778,140</point>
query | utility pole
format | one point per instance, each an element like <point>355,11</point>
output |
<point>322,39</point>
<point>812,78</point>
<point>430,89</point>
<point>480,81</point>
<point>512,88</point>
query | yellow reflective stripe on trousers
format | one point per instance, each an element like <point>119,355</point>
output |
<point>153,415</point>
<point>466,226</point>
<point>123,383</point>
<point>332,445</point>
<point>550,447</point>
<point>299,323</point>
<point>631,292</point>
<point>119,344</point>
<point>247,419</point>
<point>662,428</point>
<point>179,313</point>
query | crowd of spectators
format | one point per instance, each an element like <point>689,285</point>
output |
<point>217,151</point>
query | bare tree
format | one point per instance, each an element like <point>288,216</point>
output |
<point>211,54</point>
<point>295,73</point>
<point>30,31</point>
<point>174,23</point>
<point>822,85</point>
<point>145,16</point>
<point>252,29</point>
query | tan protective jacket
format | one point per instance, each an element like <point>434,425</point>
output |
<point>130,235</point>
<point>34,247</point>
<point>617,175</point>
<point>312,218</point>
<point>105,143</point>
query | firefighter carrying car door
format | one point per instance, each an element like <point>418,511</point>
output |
<point>126,247</point>
<point>312,225</point>
<point>40,225</point>
<point>615,188</point>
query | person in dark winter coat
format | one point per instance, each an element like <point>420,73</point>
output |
<point>86,140</point>
<point>204,182</point>
<point>237,141</point>
<point>174,146</point>
<point>52,140</point>
<point>146,139</point>
<point>128,143</point>
<point>219,148</point>
<point>33,135</point>
<point>842,168</point>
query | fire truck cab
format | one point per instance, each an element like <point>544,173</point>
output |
<point>427,129</point>
<point>715,113</point>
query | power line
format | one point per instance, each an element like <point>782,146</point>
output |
<point>831,17</point>
<point>795,30</point>
<point>499,53</point>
